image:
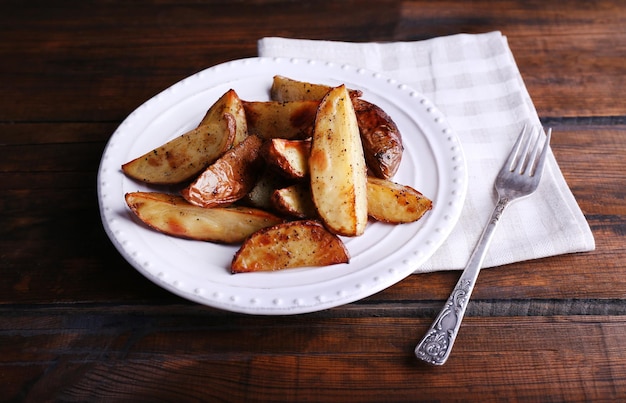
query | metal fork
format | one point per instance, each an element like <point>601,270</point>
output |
<point>519,177</point>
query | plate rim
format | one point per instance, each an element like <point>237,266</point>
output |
<point>295,306</point>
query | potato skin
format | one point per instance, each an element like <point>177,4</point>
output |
<point>230,178</point>
<point>382,142</point>
<point>229,103</point>
<point>305,243</point>
<point>294,200</point>
<point>288,157</point>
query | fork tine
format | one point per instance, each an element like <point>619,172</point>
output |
<point>538,170</point>
<point>532,157</point>
<point>524,162</point>
<point>513,158</point>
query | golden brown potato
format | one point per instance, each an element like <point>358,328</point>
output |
<point>234,107</point>
<point>295,201</point>
<point>289,120</point>
<point>184,157</point>
<point>174,216</point>
<point>394,203</point>
<point>337,167</point>
<point>382,142</point>
<point>303,243</point>
<point>324,135</point>
<point>289,157</point>
<point>230,178</point>
<point>287,89</point>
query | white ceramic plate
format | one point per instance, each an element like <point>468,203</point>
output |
<point>432,162</point>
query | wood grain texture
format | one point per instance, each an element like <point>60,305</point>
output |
<point>84,358</point>
<point>78,323</point>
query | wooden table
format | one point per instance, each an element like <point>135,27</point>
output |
<point>78,323</point>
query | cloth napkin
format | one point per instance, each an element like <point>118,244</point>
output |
<point>474,80</point>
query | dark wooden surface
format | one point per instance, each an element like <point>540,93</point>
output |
<point>77,323</point>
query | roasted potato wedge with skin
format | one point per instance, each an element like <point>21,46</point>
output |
<point>173,215</point>
<point>305,243</point>
<point>337,167</point>
<point>295,201</point>
<point>391,202</point>
<point>382,142</point>
<point>289,157</point>
<point>289,120</point>
<point>184,157</point>
<point>287,89</point>
<point>229,103</point>
<point>230,178</point>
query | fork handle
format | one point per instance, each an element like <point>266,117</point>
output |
<point>436,345</point>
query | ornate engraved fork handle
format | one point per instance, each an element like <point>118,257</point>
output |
<point>435,346</point>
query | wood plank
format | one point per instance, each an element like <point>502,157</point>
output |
<point>582,151</point>
<point>161,45</point>
<point>112,355</point>
<point>563,64</point>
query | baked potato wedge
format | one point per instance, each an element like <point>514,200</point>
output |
<point>287,89</point>
<point>289,157</point>
<point>229,103</point>
<point>229,178</point>
<point>394,203</point>
<point>305,243</point>
<point>337,168</point>
<point>290,120</point>
<point>294,200</point>
<point>183,157</point>
<point>173,215</point>
<point>382,142</point>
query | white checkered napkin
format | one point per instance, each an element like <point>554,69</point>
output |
<point>474,81</point>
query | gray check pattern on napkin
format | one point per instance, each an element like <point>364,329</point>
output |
<point>475,82</point>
